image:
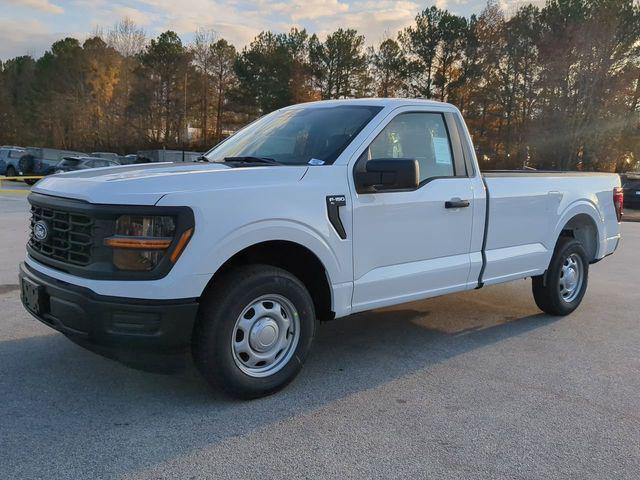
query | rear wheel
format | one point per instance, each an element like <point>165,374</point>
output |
<point>254,331</point>
<point>11,172</point>
<point>561,289</point>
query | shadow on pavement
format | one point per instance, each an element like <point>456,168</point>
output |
<point>80,402</point>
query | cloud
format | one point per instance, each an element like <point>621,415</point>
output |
<point>376,20</point>
<point>511,6</point>
<point>238,21</point>
<point>42,5</point>
<point>29,37</point>
<point>309,9</point>
<point>139,17</point>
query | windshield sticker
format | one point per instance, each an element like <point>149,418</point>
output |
<point>315,161</point>
<point>442,151</point>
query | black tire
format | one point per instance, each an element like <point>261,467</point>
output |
<point>30,181</point>
<point>11,171</point>
<point>26,164</point>
<point>222,306</point>
<point>547,288</point>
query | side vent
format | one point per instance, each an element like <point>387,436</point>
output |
<point>334,202</point>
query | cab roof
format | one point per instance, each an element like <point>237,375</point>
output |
<point>375,102</point>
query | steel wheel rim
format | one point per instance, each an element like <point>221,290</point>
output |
<point>265,335</point>
<point>571,277</point>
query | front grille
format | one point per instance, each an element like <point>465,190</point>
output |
<point>70,235</point>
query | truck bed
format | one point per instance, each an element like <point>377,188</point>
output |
<point>541,173</point>
<point>528,209</point>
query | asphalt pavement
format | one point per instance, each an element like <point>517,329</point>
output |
<point>478,385</point>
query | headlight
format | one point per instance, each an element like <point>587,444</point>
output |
<point>141,241</point>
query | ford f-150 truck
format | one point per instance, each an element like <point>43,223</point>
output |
<point>312,212</point>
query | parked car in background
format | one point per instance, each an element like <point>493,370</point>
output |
<point>70,164</point>
<point>9,158</point>
<point>43,161</point>
<point>129,159</point>
<point>107,155</point>
<point>631,185</point>
<point>153,156</point>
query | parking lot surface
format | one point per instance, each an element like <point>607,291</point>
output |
<point>472,385</point>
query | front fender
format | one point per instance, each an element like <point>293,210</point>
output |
<point>274,230</point>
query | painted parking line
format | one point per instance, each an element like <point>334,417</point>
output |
<point>17,190</point>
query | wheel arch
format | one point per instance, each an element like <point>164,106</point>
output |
<point>583,223</point>
<point>295,257</point>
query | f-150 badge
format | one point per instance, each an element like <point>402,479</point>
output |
<point>334,202</point>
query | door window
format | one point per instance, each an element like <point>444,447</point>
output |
<point>416,135</point>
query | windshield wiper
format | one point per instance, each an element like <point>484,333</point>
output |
<point>250,159</point>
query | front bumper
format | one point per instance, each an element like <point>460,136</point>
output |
<point>120,328</point>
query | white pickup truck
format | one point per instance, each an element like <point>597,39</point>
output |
<point>313,212</point>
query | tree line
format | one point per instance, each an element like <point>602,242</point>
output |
<point>556,87</point>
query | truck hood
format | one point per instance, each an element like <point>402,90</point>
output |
<point>146,184</point>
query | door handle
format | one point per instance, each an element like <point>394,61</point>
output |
<point>456,203</point>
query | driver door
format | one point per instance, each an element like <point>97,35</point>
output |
<point>409,245</point>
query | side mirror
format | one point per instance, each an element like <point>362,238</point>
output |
<point>388,174</point>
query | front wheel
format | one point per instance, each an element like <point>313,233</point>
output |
<point>561,289</point>
<point>254,331</point>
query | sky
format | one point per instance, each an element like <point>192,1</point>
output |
<point>30,26</point>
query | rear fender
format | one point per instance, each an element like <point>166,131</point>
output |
<point>581,207</point>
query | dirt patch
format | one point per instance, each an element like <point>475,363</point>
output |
<point>8,288</point>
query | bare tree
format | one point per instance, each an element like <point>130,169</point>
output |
<point>127,38</point>
<point>202,52</point>
<point>224,56</point>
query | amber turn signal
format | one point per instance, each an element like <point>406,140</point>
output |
<point>138,243</point>
<point>184,239</point>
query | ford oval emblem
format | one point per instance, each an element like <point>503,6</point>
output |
<point>41,230</point>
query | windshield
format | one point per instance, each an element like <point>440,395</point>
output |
<point>297,136</point>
